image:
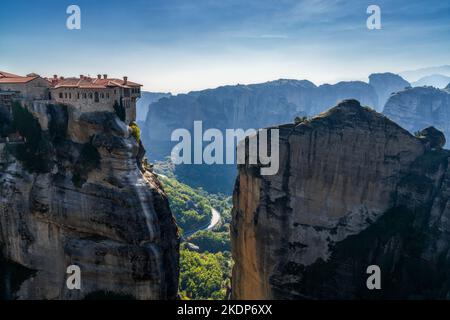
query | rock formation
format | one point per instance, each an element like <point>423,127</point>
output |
<point>73,194</point>
<point>143,104</point>
<point>385,84</point>
<point>353,190</point>
<point>420,107</point>
<point>242,106</point>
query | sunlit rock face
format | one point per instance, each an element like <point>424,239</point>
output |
<point>88,204</point>
<point>420,107</point>
<point>354,189</point>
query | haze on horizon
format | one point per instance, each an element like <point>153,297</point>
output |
<point>178,46</point>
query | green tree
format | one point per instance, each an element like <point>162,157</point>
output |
<point>204,275</point>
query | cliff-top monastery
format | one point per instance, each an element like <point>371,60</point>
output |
<point>84,93</point>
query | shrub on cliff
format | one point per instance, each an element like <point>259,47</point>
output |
<point>58,123</point>
<point>135,131</point>
<point>26,124</point>
<point>88,160</point>
<point>120,110</point>
<point>6,125</point>
<point>36,151</point>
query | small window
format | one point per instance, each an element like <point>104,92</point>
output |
<point>90,95</point>
<point>65,95</point>
<point>60,95</point>
<point>107,95</point>
<point>78,95</point>
<point>85,95</point>
<point>70,96</point>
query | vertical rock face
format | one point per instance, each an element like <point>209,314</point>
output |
<point>417,108</point>
<point>386,84</point>
<point>354,189</point>
<point>241,106</point>
<point>89,205</point>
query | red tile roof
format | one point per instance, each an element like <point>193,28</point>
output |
<point>6,77</point>
<point>83,82</point>
<point>91,83</point>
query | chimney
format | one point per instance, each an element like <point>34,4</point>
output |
<point>61,78</point>
<point>125,80</point>
<point>55,76</point>
<point>81,76</point>
<point>99,76</point>
<point>105,76</point>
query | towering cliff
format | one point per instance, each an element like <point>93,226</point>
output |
<point>73,191</point>
<point>420,107</point>
<point>386,84</point>
<point>242,106</point>
<point>144,102</point>
<point>353,190</point>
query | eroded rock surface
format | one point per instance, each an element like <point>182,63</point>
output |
<point>86,204</point>
<point>420,107</point>
<point>354,189</point>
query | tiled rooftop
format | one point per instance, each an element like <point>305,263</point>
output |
<point>6,77</point>
<point>84,82</point>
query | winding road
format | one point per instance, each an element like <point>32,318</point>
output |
<point>215,219</point>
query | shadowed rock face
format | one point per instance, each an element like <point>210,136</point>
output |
<point>386,84</point>
<point>89,206</point>
<point>354,189</point>
<point>417,108</point>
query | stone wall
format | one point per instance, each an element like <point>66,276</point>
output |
<point>37,89</point>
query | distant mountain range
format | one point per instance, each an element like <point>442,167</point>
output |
<point>250,106</point>
<point>435,80</point>
<point>144,102</point>
<point>415,75</point>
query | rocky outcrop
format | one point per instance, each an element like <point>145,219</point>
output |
<point>74,195</point>
<point>417,108</point>
<point>386,84</point>
<point>241,106</point>
<point>353,190</point>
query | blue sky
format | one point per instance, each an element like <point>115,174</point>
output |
<point>182,45</point>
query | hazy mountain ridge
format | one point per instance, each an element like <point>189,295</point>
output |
<point>415,75</point>
<point>249,106</point>
<point>436,80</point>
<point>144,102</point>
